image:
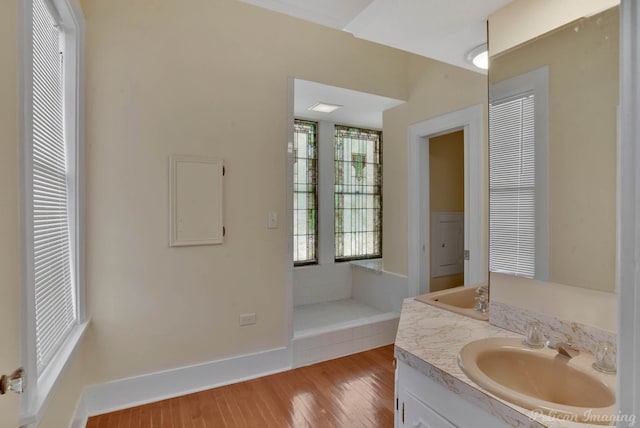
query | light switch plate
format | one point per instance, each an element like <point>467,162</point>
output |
<point>272,220</point>
<point>247,319</point>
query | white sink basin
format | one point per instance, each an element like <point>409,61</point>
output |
<point>541,379</point>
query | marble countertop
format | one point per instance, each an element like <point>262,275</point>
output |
<point>429,339</point>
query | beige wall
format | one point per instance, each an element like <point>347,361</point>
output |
<point>446,171</point>
<point>446,282</point>
<point>9,223</point>
<point>209,78</point>
<point>436,88</point>
<point>522,20</point>
<point>583,98</point>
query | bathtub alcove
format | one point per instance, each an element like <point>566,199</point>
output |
<point>343,309</point>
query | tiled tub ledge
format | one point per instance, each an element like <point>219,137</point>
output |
<point>371,265</point>
<point>429,340</point>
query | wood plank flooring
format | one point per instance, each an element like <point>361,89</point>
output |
<point>353,391</point>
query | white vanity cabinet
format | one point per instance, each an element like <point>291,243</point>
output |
<point>423,403</point>
<point>414,413</point>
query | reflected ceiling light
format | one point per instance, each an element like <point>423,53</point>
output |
<point>479,56</point>
<point>324,107</point>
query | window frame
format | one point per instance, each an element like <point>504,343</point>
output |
<point>325,252</point>
<point>38,388</point>
<point>536,82</point>
<point>315,260</point>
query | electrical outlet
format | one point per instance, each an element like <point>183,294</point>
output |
<point>247,319</point>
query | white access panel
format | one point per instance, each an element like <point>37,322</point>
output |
<point>447,243</point>
<point>195,187</point>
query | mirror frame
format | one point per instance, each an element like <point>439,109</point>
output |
<point>628,264</point>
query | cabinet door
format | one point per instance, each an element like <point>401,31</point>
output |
<point>396,398</point>
<point>413,413</point>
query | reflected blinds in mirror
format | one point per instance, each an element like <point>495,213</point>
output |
<point>512,186</point>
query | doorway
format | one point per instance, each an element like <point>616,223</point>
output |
<point>470,122</point>
<point>446,202</point>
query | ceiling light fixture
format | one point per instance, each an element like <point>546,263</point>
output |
<point>479,56</point>
<point>324,107</point>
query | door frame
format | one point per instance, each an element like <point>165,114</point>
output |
<point>470,120</point>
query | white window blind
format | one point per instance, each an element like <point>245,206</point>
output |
<point>55,306</point>
<point>512,186</point>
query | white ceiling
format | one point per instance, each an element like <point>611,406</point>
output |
<point>445,30</point>
<point>330,13</point>
<point>360,109</point>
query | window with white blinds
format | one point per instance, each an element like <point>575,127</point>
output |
<point>52,233</point>
<point>512,186</point>
<point>53,278</point>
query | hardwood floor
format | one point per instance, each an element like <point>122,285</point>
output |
<point>353,391</point>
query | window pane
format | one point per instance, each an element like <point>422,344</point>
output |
<point>305,198</point>
<point>358,193</point>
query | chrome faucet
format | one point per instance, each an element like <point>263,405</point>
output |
<point>482,297</point>
<point>563,348</point>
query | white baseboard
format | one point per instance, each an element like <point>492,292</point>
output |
<point>139,390</point>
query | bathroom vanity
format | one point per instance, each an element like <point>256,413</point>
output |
<point>431,388</point>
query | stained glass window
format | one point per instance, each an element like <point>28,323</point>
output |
<point>358,193</point>
<point>305,195</point>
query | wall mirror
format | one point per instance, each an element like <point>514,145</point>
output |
<point>553,123</point>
